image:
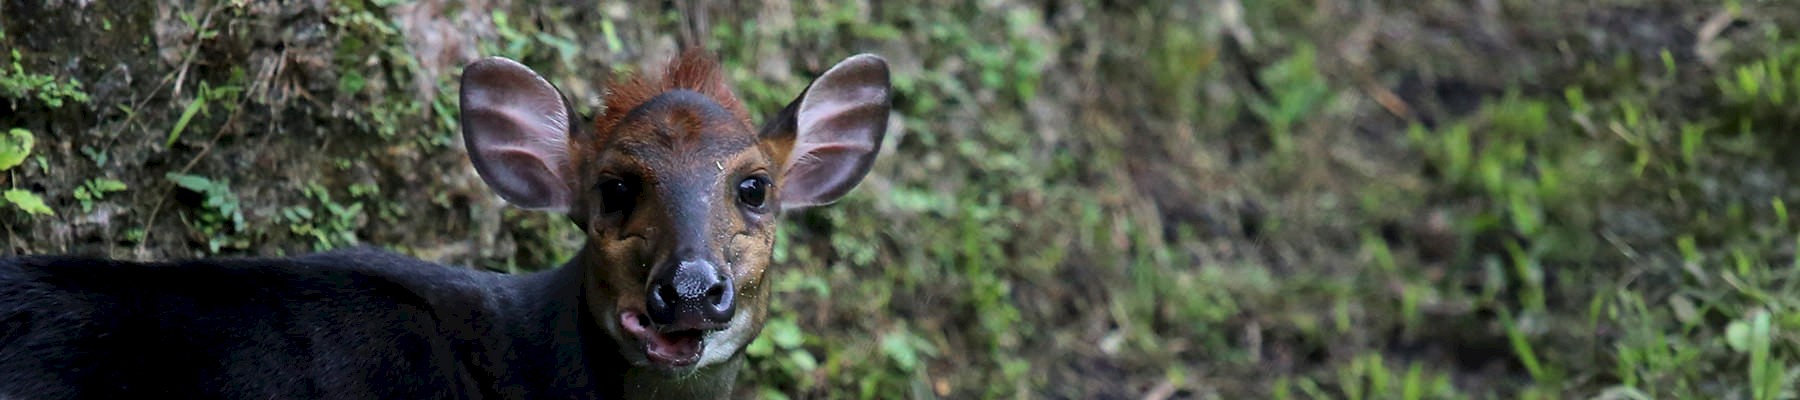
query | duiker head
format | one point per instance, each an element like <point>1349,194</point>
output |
<point>678,195</point>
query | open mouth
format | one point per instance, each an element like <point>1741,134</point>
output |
<point>671,348</point>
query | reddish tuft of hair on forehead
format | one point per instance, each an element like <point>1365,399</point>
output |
<point>693,70</point>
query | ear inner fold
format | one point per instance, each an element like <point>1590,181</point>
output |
<point>515,125</point>
<point>838,126</point>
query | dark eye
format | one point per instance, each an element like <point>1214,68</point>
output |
<point>617,195</point>
<point>753,191</point>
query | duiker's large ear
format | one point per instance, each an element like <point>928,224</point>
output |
<point>831,132</point>
<point>516,127</point>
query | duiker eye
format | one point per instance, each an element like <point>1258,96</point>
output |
<point>753,191</point>
<point>617,195</point>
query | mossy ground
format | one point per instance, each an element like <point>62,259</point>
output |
<point>1078,198</point>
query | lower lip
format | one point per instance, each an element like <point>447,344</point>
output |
<point>635,324</point>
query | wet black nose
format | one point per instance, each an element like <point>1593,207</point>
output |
<point>691,295</point>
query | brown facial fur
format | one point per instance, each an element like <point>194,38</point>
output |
<point>686,142</point>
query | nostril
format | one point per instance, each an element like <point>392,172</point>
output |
<point>658,305</point>
<point>719,300</point>
<point>715,294</point>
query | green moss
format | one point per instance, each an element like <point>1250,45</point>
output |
<point>18,84</point>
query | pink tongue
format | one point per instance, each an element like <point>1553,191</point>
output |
<point>675,348</point>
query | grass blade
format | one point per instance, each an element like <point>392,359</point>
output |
<point>186,115</point>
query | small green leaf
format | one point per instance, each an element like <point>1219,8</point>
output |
<point>28,201</point>
<point>612,35</point>
<point>103,185</point>
<point>1737,335</point>
<point>352,82</point>
<point>1781,213</point>
<point>804,360</point>
<point>772,394</point>
<point>760,347</point>
<point>186,115</point>
<point>191,182</point>
<point>785,333</point>
<point>899,348</point>
<point>15,146</point>
<point>1765,372</point>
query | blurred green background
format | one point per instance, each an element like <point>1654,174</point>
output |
<point>1325,199</point>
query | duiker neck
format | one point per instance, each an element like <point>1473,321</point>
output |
<point>551,322</point>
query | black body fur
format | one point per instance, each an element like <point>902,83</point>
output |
<point>350,324</point>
